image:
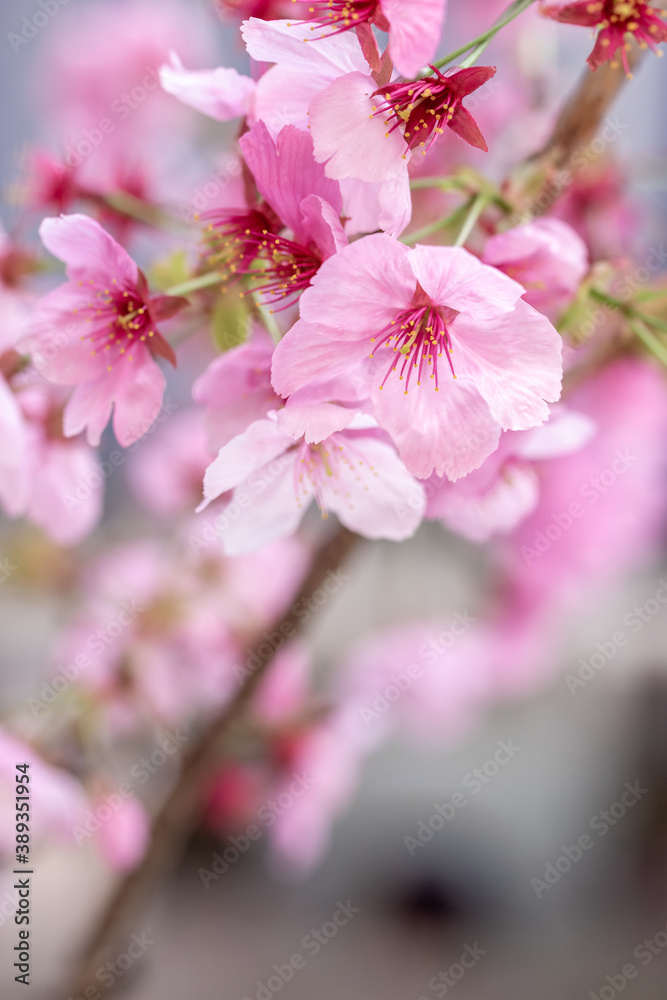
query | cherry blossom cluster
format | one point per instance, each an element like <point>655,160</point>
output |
<point>338,302</point>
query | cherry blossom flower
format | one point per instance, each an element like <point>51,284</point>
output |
<point>98,332</point>
<point>414,28</point>
<point>299,197</point>
<point>323,452</point>
<point>547,257</point>
<point>474,359</point>
<point>615,20</point>
<point>505,489</point>
<point>424,108</point>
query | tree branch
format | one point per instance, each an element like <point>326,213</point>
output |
<point>181,811</point>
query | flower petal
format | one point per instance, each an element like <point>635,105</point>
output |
<point>414,32</point>
<point>261,443</point>
<point>453,277</point>
<point>222,94</point>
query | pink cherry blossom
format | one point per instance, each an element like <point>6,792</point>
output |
<point>236,389</point>
<point>223,94</point>
<point>414,28</point>
<point>505,489</point>
<point>297,197</point>
<point>321,452</point>
<point>44,477</point>
<point>602,507</point>
<point>474,359</point>
<point>98,332</point>
<point>547,257</point>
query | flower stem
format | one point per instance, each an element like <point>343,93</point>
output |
<point>649,339</point>
<point>478,205</point>
<point>480,43</point>
<point>442,223</point>
<point>194,284</point>
<point>182,809</point>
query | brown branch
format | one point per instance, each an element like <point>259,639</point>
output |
<point>538,182</point>
<point>181,811</point>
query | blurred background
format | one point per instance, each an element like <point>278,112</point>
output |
<point>561,735</point>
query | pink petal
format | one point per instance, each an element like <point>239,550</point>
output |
<point>322,226</point>
<point>359,290</point>
<point>453,277</point>
<point>304,357</point>
<point>414,32</point>
<point>449,432</point>
<point>236,389</point>
<point>88,251</point>
<point>138,399</point>
<point>68,492</point>
<point>272,512</point>
<point>14,455</point>
<point>515,362</point>
<point>55,338</point>
<point>372,492</point>
<point>386,205</point>
<point>314,421</point>
<point>285,42</point>
<point>220,93</point>
<point>286,173</point>
<point>262,442</point>
<point>564,432</point>
<point>349,138</point>
<point>498,510</point>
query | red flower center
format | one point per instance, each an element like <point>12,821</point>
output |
<point>419,336</point>
<point>278,268</point>
<point>119,319</point>
<point>340,15</point>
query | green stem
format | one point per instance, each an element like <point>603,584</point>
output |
<point>649,339</point>
<point>443,223</point>
<point>194,284</point>
<point>478,205</point>
<point>483,40</point>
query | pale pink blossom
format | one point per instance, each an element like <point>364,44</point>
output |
<point>98,332</point>
<point>308,452</point>
<point>505,489</point>
<point>547,257</point>
<point>474,359</point>
<point>222,94</point>
<point>414,28</point>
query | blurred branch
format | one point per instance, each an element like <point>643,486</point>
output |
<point>181,811</point>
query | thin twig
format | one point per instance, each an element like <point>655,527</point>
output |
<point>180,813</point>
